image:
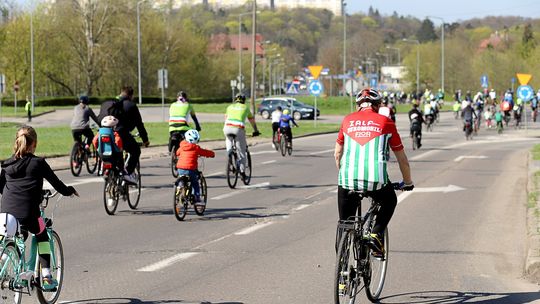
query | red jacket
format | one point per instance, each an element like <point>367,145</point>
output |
<point>188,155</point>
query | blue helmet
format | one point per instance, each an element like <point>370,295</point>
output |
<point>84,99</point>
<point>192,136</point>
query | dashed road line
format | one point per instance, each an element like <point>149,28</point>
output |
<point>322,152</point>
<point>253,228</point>
<point>168,262</point>
<point>269,162</point>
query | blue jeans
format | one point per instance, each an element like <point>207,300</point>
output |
<point>194,176</point>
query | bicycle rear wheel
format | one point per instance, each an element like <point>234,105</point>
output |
<point>232,172</point>
<point>376,272</point>
<point>174,160</point>
<point>199,209</point>
<point>247,170</point>
<point>111,194</point>
<point>92,159</point>
<point>75,160</point>
<point>57,271</point>
<point>283,145</point>
<point>134,191</point>
<point>180,202</point>
<point>9,264</point>
<point>345,281</point>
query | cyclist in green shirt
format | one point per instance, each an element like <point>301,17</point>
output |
<point>179,113</point>
<point>235,118</point>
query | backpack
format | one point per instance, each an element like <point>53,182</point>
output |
<point>106,145</point>
<point>116,109</point>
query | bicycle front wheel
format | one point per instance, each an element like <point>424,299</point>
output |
<point>57,271</point>
<point>232,172</point>
<point>345,281</point>
<point>376,272</point>
<point>247,170</point>
<point>92,159</point>
<point>199,209</point>
<point>111,194</point>
<point>134,191</point>
<point>9,264</point>
<point>75,160</point>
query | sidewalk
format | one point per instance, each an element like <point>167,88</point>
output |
<point>532,262</point>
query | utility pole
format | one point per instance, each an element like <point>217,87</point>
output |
<point>253,55</point>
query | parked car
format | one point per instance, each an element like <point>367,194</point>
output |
<point>298,109</point>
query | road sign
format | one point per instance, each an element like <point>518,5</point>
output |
<point>233,83</point>
<point>484,81</point>
<point>351,86</point>
<point>523,78</point>
<point>325,71</point>
<point>163,79</point>
<point>525,92</point>
<point>240,86</point>
<point>315,70</point>
<point>292,89</point>
<point>240,78</point>
<point>315,88</point>
<point>16,86</point>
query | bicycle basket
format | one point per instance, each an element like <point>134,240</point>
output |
<point>9,226</point>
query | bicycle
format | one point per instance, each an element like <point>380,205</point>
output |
<point>184,196</point>
<point>18,276</point>
<point>276,139</point>
<point>468,130</point>
<point>429,122</point>
<point>176,138</point>
<point>499,127</point>
<point>233,165</point>
<point>79,155</point>
<point>115,187</point>
<point>355,260</point>
<point>285,146</point>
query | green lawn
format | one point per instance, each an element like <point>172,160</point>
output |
<point>54,141</point>
<point>10,111</point>
<point>536,152</point>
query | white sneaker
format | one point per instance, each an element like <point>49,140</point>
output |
<point>131,178</point>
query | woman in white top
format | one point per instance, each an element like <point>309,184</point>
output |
<point>276,117</point>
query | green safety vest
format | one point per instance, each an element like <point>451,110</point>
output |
<point>28,106</point>
<point>236,115</point>
<point>179,116</point>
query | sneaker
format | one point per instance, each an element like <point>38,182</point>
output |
<point>273,145</point>
<point>198,201</point>
<point>376,243</point>
<point>48,283</point>
<point>131,178</point>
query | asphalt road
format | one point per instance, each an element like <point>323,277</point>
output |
<point>458,238</point>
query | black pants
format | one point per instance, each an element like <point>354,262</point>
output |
<point>348,204</point>
<point>77,135</point>
<point>418,130</point>
<point>175,137</point>
<point>287,131</point>
<point>131,146</point>
<point>29,115</point>
<point>275,128</point>
<point>32,226</point>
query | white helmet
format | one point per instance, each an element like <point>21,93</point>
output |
<point>109,121</point>
<point>192,136</point>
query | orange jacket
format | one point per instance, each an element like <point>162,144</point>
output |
<point>117,141</point>
<point>188,155</point>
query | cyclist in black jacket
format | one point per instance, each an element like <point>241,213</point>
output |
<point>129,118</point>
<point>21,184</point>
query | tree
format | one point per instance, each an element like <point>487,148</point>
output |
<point>528,42</point>
<point>426,32</point>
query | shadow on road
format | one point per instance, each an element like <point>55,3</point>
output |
<point>138,301</point>
<point>289,186</point>
<point>434,297</point>
<point>211,214</point>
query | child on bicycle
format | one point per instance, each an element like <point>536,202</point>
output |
<point>21,184</point>
<point>285,125</point>
<point>80,123</point>
<point>111,153</point>
<point>187,164</point>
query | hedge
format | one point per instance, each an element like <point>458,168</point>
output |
<point>66,101</point>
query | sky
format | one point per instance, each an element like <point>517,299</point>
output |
<point>450,11</point>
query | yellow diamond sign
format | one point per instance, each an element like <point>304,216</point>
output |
<point>524,78</point>
<point>315,70</point>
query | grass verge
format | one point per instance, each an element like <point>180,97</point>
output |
<point>55,141</point>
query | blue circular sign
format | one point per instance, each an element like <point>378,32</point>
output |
<point>525,92</point>
<point>315,88</point>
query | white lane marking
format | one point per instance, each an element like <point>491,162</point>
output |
<point>262,152</point>
<point>447,189</point>
<point>269,162</point>
<point>253,228</point>
<point>322,152</point>
<point>462,157</point>
<point>242,190</point>
<point>304,206</point>
<point>214,174</point>
<point>168,262</point>
<point>47,185</point>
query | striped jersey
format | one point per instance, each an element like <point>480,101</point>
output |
<point>237,114</point>
<point>366,138</point>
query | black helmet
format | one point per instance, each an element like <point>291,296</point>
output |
<point>240,98</point>
<point>368,95</point>
<point>84,99</point>
<point>182,94</point>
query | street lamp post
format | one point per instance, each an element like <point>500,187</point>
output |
<point>417,63</point>
<point>32,57</point>
<point>442,49</point>
<point>344,4</point>
<point>139,49</point>
<point>240,79</point>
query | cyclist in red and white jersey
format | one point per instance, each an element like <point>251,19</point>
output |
<point>361,154</point>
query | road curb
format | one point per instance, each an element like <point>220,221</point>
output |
<point>62,162</point>
<point>532,261</point>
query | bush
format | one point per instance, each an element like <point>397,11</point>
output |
<point>71,101</point>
